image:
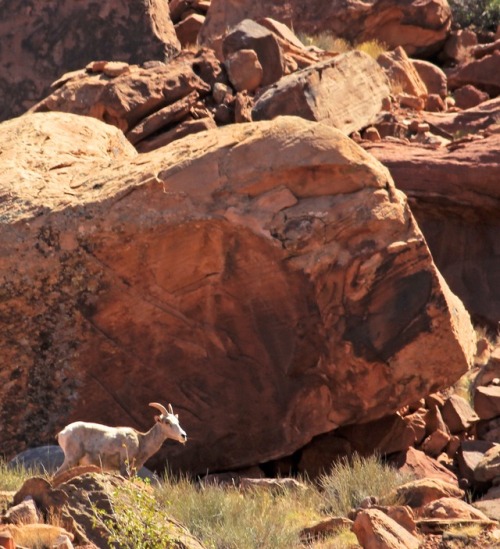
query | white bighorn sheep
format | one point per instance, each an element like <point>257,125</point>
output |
<point>117,448</point>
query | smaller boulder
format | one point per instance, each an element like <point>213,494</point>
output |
<point>435,443</point>
<point>458,414</point>
<point>488,468</point>
<point>401,73</point>
<point>433,418</point>
<point>434,103</point>
<point>375,530</point>
<point>243,105</point>
<point>488,430</point>
<point>244,70</point>
<point>458,45</point>
<point>482,73</point>
<point>433,77</point>
<point>323,528</point>
<point>489,504</point>
<point>416,421</point>
<point>446,508</point>
<point>345,92</point>
<point>419,493</point>
<point>25,512</point>
<point>469,96</point>
<point>249,35</point>
<point>487,401</point>
<point>411,101</point>
<point>42,459</point>
<point>421,466</point>
<point>187,30</point>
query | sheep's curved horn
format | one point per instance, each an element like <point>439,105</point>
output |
<point>160,407</point>
<point>170,409</point>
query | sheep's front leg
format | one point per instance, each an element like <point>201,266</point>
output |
<point>67,464</point>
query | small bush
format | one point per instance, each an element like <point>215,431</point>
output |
<point>351,481</point>
<point>136,518</point>
<point>481,14</point>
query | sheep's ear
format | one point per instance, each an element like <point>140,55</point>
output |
<point>157,418</point>
<point>170,409</point>
<point>177,416</point>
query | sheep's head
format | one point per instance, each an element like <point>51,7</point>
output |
<point>170,422</point>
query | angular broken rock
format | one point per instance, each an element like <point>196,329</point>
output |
<point>345,92</point>
<point>187,30</point>
<point>418,493</point>
<point>469,96</point>
<point>488,467</point>
<point>447,507</point>
<point>244,70</point>
<point>375,530</point>
<point>487,402</point>
<point>458,414</point>
<point>482,73</point>
<point>132,98</point>
<point>432,76</point>
<point>249,35</point>
<point>268,279</point>
<point>402,73</point>
<point>414,462</point>
<point>40,43</point>
<point>469,455</point>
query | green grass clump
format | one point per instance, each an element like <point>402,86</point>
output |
<point>329,42</point>
<point>372,47</point>
<point>350,481</point>
<point>326,41</point>
<point>12,478</point>
<point>223,517</point>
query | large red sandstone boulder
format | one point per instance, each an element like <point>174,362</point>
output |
<point>42,40</point>
<point>420,26</point>
<point>455,196</point>
<point>267,279</point>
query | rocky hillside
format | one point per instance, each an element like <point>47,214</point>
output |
<point>289,237</point>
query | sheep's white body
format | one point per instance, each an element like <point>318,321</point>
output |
<point>117,448</point>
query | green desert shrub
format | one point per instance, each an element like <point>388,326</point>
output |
<point>481,14</point>
<point>134,520</point>
<point>352,480</point>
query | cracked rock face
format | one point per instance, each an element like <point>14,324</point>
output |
<point>455,197</point>
<point>267,279</point>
